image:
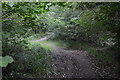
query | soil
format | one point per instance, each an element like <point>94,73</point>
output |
<point>70,63</point>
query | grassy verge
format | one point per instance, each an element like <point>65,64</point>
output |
<point>32,61</point>
<point>40,43</point>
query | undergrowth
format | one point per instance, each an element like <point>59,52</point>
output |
<point>32,61</point>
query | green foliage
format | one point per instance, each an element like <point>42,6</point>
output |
<point>33,60</point>
<point>39,63</point>
<point>82,21</point>
<point>43,44</point>
<point>91,23</point>
<point>4,61</point>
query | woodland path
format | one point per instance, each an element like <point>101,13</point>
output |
<point>70,63</point>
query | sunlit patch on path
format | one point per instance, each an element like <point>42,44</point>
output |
<point>42,39</point>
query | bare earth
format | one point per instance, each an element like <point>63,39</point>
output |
<point>71,63</point>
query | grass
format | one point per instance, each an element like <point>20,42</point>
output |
<point>33,61</point>
<point>44,43</point>
<point>57,43</point>
<point>42,54</point>
<point>41,44</point>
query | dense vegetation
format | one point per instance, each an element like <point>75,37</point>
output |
<point>93,27</point>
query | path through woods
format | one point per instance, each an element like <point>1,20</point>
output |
<point>70,63</point>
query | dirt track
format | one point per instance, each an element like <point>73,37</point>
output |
<point>71,64</point>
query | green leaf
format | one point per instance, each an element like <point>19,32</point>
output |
<point>6,35</point>
<point>4,61</point>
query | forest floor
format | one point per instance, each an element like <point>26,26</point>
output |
<point>70,63</point>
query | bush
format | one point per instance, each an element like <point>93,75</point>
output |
<point>29,61</point>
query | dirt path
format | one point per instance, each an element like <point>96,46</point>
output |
<point>42,39</point>
<point>70,63</point>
